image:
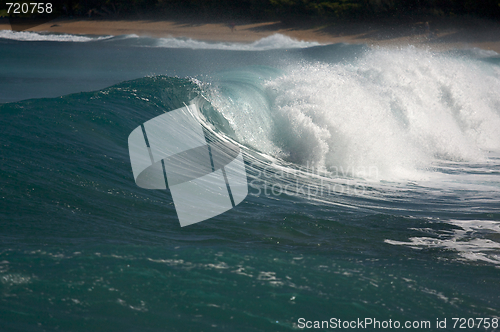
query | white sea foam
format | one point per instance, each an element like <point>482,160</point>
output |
<point>275,41</point>
<point>399,110</point>
<point>36,36</point>
<point>468,240</point>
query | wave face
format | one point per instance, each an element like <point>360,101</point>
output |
<point>374,189</point>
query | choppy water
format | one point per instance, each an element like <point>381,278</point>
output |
<point>374,185</point>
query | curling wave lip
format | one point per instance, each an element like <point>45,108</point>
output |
<point>171,151</point>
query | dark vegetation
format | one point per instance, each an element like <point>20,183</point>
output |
<point>278,9</point>
<point>282,9</point>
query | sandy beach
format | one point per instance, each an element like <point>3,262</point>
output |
<point>443,33</point>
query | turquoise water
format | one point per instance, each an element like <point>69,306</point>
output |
<point>390,157</point>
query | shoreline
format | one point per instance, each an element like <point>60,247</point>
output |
<point>446,34</point>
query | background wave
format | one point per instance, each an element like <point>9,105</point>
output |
<point>35,36</point>
<point>275,41</point>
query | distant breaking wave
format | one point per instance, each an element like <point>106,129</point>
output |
<point>276,41</point>
<point>35,36</point>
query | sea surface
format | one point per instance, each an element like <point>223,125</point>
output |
<point>373,174</point>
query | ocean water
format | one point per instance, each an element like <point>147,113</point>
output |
<point>374,186</point>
